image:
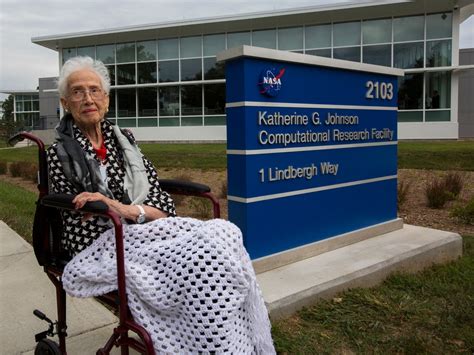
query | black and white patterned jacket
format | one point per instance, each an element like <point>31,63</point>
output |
<point>78,235</point>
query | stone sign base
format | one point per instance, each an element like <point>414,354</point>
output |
<point>288,288</point>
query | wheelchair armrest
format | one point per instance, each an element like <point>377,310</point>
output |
<point>181,187</point>
<point>64,201</point>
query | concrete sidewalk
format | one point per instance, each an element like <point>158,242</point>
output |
<point>24,286</point>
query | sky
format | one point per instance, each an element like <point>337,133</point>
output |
<point>22,62</point>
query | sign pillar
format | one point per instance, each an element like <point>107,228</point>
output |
<point>311,147</point>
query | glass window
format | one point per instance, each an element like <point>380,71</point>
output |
<point>215,121</point>
<point>377,31</point>
<point>126,103</point>
<point>191,100</point>
<point>86,51</point>
<point>214,99</point>
<point>408,55</point>
<point>168,48</point>
<point>191,121</point>
<point>320,52</point>
<point>106,53</point>
<point>408,28</point>
<point>438,90</point>
<point>213,70</point>
<point>147,122</point>
<point>190,47</point>
<point>439,25</point>
<point>438,53</point>
<point>147,102</point>
<point>238,39</point>
<point>346,34</point>
<point>112,112</point>
<point>169,121</point>
<point>410,116</point>
<point>410,92</point>
<point>146,51</point>
<point>438,116</point>
<point>132,122</point>
<point>35,105</point>
<point>69,53</point>
<point>318,36</point>
<point>111,69</point>
<point>290,38</point>
<point>24,119</point>
<point>125,52</point>
<point>265,39</point>
<point>19,106</point>
<point>379,55</point>
<point>27,106</point>
<point>351,53</point>
<point>147,72</point>
<point>126,74</point>
<point>191,69</point>
<point>36,121</point>
<point>168,71</point>
<point>213,44</point>
<point>169,101</point>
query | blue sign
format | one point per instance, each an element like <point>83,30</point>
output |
<point>311,148</point>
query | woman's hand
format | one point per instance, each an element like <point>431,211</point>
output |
<point>130,212</point>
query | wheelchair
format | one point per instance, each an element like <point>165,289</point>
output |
<point>47,232</point>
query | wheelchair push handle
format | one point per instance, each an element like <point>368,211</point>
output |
<point>21,136</point>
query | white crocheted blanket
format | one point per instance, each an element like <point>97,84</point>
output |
<point>190,284</point>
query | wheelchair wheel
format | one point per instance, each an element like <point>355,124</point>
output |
<point>47,347</point>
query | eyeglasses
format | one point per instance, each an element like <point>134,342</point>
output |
<point>80,94</point>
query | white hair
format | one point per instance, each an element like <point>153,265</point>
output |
<point>79,63</point>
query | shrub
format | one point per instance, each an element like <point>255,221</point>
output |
<point>3,167</point>
<point>402,192</point>
<point>465,213</point>
<point>30,172</point>
<point>15,169</point>
<point>454,183</point>
<point>436,194</point>
<point>27,171</point>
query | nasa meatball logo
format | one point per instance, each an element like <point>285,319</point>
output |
<point>270,81</point>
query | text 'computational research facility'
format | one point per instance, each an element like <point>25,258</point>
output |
<point>167,85</point>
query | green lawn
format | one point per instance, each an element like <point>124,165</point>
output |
<point>440,155</point>
<point>191,156</point>
<point>17,208</point>
<point>431,312</point>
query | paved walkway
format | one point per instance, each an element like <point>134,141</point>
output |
<point>24,287</point>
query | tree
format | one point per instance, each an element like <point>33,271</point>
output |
<point>8,126</point>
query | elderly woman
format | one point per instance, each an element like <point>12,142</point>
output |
<point>190,283</point>
<point>97,161</point>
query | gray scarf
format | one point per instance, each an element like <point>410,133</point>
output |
<point>83,170</point>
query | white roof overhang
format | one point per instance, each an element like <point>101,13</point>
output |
<point>354,10</point>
